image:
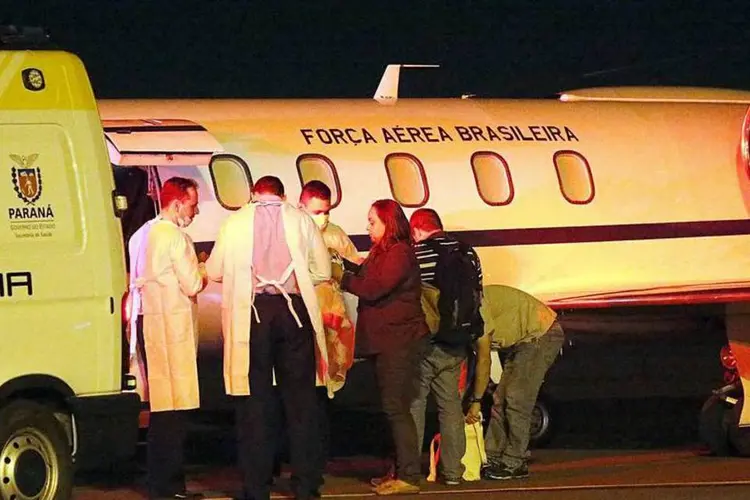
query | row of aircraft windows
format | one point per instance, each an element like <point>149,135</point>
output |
<point>406,174</point>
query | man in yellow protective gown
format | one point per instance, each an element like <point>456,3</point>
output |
<point>315,199</point>
<point>171,278</point>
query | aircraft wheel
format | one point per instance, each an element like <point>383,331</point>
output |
<point>541,424</point>
<point>35,457</point>
<point>714,426</point>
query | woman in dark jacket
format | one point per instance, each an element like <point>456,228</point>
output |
<point>390,328</point>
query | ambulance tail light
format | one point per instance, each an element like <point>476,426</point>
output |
<point>128,381</point>
<point>127,310</point>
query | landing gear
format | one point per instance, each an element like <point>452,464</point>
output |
<point>739,437</point>
<point>714,425</point>
<point>542,421</point>
<point>541,424</point>
<point>719,425</point>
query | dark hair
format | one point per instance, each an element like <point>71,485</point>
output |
<point>396,224</point>
<point>426,219</point>
<point>315,189</point>
<point>269,185</point>
<point>176,188</point>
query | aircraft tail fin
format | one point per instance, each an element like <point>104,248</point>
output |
<point>387,92</point>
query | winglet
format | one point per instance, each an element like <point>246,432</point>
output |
<point>387,92</point>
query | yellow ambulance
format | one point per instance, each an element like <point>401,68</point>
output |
<point>65,399</point>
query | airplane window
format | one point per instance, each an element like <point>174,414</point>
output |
<point>407,178</point>
<point>312,167</point>
<point>574,176</point>
<point>492,176</point>
<point>232,181</point>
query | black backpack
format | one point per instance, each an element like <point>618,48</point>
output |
<point>460,295</point>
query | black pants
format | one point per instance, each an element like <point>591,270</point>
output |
<point>322,445</point>
<point>396,375</point>
<point>165,441</point>
<point>277,342</point>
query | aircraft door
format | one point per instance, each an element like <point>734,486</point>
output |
<point>159,143</point>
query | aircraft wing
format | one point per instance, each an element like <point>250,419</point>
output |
<point>698,293</point>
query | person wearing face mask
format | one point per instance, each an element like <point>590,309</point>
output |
<point>168,278</point>
<point>315,200</point>
<point>269,255</point>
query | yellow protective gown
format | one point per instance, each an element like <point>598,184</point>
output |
<point>231,264</point>
<point>170,281</point>
<point>337,239</point>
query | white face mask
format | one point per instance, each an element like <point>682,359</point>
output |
<point>321,220</point>
<point>183,222</point>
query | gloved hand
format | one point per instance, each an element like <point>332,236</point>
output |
<point>337,272</point>
<point>350,266</point>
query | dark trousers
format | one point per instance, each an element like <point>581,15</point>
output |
<point>165,442</point>
<point>276,342</point>
<point>396,373</point>
<point>322,444</point>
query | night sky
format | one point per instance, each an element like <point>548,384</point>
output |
<point>312,48</point>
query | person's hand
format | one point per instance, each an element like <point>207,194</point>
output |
<point>204,274</point>
<point>350,266</point>
<point>337,272</point>
<point>474,414</point>
<point>335,256</point>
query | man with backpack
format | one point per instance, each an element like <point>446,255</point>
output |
<point>454,269</point>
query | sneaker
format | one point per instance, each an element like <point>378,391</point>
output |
<point>390,475</point>
<point>452,481</point>
<point>501,472</point>
<point>396,487</point>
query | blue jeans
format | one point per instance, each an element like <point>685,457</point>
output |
<point>439,372</point>
<point>513,400</point>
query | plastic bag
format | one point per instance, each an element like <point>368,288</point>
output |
<point>474,456</point>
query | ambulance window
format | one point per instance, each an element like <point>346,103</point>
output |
<point>574,176</point>
<point>492,176</point>
<point>407,178</point>
<point>313,167</point>
<point>232,181</point>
